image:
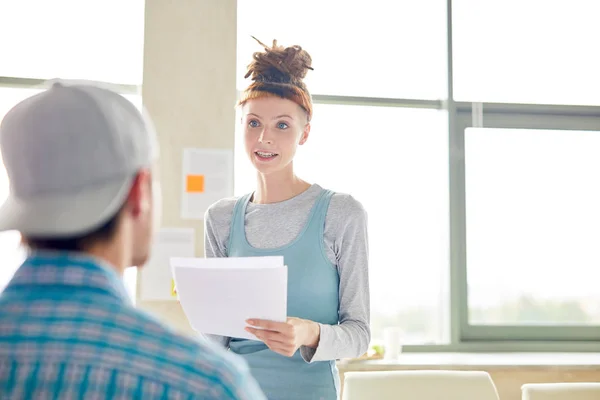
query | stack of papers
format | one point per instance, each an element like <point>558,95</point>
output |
<point>218,295</point>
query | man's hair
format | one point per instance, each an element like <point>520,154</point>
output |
<point>77,243</point>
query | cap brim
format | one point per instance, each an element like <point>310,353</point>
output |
<point>70,214</point>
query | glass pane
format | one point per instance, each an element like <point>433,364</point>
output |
<point>533,51</point>
<point>375,49</point>
<point>533,226</point>
<point>395,162</point>
<point>12,253</point>
<point>130,279</point>
<point>98,40</point>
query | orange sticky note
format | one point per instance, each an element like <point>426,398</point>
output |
<point>194,184</point>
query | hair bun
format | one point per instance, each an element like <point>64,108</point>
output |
<point>278,64</point>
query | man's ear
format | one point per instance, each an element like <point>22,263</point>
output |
<point>305,134</point>
<point>138,194</point>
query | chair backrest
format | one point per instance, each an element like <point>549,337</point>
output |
<point>421,385</point>
<point>561,391</point>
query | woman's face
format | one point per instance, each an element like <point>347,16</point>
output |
<point>273,129</point>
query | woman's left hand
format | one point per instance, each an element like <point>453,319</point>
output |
<point>285,338</point>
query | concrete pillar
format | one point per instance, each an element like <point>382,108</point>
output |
<point>189,91</point>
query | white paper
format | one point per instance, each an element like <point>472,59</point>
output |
<point>156,276</point>
<point>216,168</point>
<point>218,295</point>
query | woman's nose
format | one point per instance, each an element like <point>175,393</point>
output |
<point>265,137</point>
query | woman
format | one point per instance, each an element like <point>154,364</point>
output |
<point>322,236</point>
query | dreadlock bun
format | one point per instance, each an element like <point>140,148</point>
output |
<point>279,71</point>
<point>278,64</point>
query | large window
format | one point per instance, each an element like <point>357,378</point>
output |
<point>533,227</point>
<point>394,158</point>
<point>527,51</point>
<point>379,48</point>
<point>408,211</point>
<point>65,39</point>
<point>97,40</point>
<point>472,147</point>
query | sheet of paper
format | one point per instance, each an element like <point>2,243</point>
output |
<point>207,178</point>
<point>156,276</point>
<point>218,295</point>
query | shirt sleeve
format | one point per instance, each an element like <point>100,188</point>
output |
<point>350,338</point>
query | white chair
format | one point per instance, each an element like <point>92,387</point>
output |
<point>419,385</point>
<point>561,391</point>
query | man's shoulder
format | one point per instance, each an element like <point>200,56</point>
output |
<point>189,363</point>
<point>125,340</point>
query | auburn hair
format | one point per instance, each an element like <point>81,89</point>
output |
<point>279,72</point>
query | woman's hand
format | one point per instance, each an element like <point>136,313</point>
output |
<point>285,338</point>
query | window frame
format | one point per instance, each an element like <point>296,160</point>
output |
<point>513,116</point>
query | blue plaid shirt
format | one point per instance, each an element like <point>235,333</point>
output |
<point>69,331</point>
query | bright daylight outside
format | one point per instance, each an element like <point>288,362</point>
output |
<point>533,226</point>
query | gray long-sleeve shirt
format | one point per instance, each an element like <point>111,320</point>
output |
<point>346,243</point>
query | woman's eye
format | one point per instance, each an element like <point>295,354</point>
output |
<point>253,124</point>
<point>282,125</point>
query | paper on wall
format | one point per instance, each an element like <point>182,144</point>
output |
<point>207,178</point>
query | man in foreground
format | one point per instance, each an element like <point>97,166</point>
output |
<point>81,162</point>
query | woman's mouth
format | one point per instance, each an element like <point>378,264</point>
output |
<point>265,155</point>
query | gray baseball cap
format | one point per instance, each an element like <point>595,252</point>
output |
<point>71,154</point>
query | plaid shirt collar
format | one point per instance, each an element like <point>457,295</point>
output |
<point>69,269</point>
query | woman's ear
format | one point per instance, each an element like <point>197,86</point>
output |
<point>305,133</point>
